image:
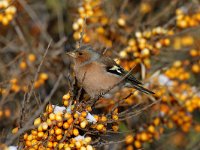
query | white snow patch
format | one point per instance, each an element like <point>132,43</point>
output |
<point>12,148</point>
<point>91,118</point>
<point>79,138</point>
<point>164,80</point>
<point>58,109</point>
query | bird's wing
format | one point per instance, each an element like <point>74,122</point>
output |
<point>112,67</point>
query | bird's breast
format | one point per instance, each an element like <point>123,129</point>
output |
<point>95,79</point>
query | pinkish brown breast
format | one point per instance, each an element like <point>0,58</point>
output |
<point>95,79</point>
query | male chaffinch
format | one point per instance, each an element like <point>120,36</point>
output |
<point>99,74</point>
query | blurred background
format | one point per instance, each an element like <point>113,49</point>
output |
<point>160,39</point>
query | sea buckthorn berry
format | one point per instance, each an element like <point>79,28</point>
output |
<point>58,131</point>
<point>40,134</point>
<point>44,126</point>
<point>129,147</point>
<point>84,114</point>
<point>66,96</point>
<point>31,57</point>
<point>58,118</point>
<point>70,120</point>
<point>75,132</point>
<point>151,129</point>
<point>66,125</point>
<point>129,139</point>
<point>121,22</point>
<point>115,117</point>
<point>76,115</point>
<point>137,144</point>
<point>37,121</point>
<point>78,144</point>
<point>43,76</point>
<point>67,116</point>
<point>88,139</point>
<point>15,130</point>
<point>89,147</point>
<point>66,103</point>
<point>144,136</point>
<point>99,127</point>
<point>103,118</point>
<point>89,108</point>
<point>59,137</point>
<point>23,65</point>
<point>60,145</point>
<point>115,128</point>
<point>83,124</point>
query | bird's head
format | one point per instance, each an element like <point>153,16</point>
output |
<point>83,55</point>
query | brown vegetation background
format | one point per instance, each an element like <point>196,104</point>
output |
<point>158,40</point>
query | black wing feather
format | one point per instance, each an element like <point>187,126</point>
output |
<point>121,72</point>
<point>112,67</point>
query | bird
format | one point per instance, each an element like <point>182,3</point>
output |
<point>99,74</point>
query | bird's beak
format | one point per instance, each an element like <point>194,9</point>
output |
<point>72,54</point>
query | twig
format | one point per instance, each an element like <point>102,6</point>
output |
<point>82,33</point>
<point>28,126</point>
<point>37,72</point>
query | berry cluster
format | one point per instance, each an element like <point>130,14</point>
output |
<point>7,12</point>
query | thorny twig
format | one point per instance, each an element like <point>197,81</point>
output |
<point>37,113</point>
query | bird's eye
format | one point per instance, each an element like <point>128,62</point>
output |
<point>80,53</point>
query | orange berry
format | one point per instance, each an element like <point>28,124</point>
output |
<point>88,139</point>
<point>89,108</point>
<point>83,124</point>
<point>49,108</point>
<point>59,137</point>
<point>75,132</point>
<point>31,57</point>
<point>25,136</point>
<point>15,130</point>
<point>70,120</point>
<point>44,126</point>
<point>137,144</point>
<point>7,112</point>
<point>14,81</point>
<point>196,68</point>
<point>37,121</point>
<point>193,52</point>
<point>51,131</point>
<point>66,102</point>
<point>40,134</point>
<point>66,125</point>
<point>114,117</point>
<point>115,128</point>
<point>89,147</point>
<point>78,144</point>
<point>23,65</point>
<point>43,76</point>
<point>28,143</point>
<point>59,118</point>
<point>103,119</point>
<point>121,22</point>
<point>129,139</point>
<point>144,136</point>
<point>58,131</point>
<point>67,116</point>
<point>99,127</point>
<point>151,129</point>
<point>66,96</point>
<point>129,147</point>
<point>30,137</point>
<point>84,114</point>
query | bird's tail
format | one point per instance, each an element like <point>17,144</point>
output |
<point>142,89</point>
